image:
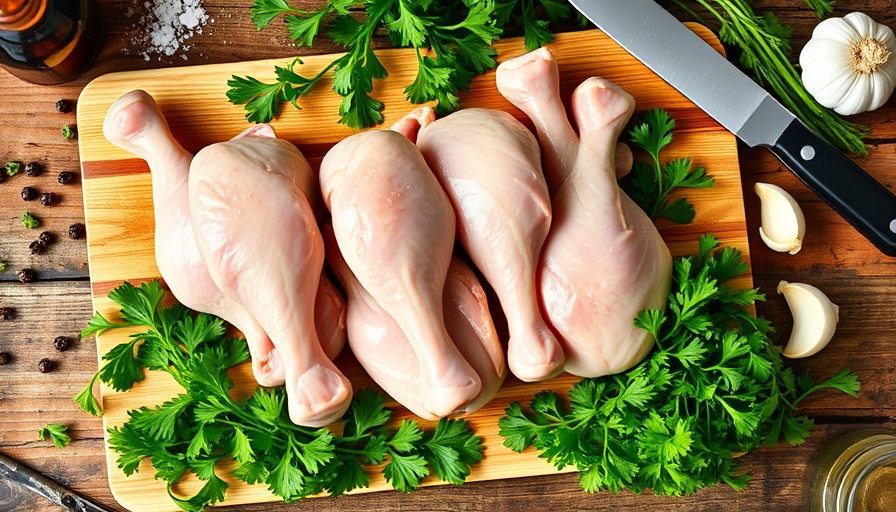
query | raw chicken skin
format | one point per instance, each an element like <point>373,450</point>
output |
<point>136,124</point>
<point>604,260</point>
<point>257,233</point>
<point>490,166</point>
<point>395,228</point>
<point>388,357</point>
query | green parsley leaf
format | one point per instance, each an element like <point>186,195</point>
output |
<point>451,450</point>
<point>212,492</point>
<point>30,220</point>
<point>68,132</point>
<point>649,185</point>
<point>193,332</point>
<point>56,432</point>
<point>122,370</point>
<point>87,401</point>
<point>264,11</point>
<point>405,472</point>
<point>13,168</point>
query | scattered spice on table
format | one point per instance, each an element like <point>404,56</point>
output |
<point>29,194</point>
<point>47,237</point>
<point>5,358</point>
<point>26,275</point>
<point>13,168</point>
<point>63,106</point>
<point>66,178</point>
<point>61,343</point>
<point>163,27</point>
<point>2,265</point>
<point>45,365</point>
<point>68,132</point>
<point>33,169</point>
<point>48,199</point>
<point>7,313</point>
<point>30,221</point>
<point>37,247</point>
<point>3,174</point>
<point>76,231</point>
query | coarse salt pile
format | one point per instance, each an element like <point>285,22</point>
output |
<point>164,25</point>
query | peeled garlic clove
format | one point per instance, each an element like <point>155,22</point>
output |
<point>783,225</point>
<point>815,318</point>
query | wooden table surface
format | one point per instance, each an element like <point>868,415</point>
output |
<point>835,258</point>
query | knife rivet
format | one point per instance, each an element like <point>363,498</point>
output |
<point>808,152</point>
<point>893,225</point>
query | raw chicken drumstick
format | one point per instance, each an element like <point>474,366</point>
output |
<point>136,124</point>
<point>604,260</point>
<point>532,83</point>
<point>490,166</point>
<point>257,233</point>
<point>395,229</point>
<point>388,357</point>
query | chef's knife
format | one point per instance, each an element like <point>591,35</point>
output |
<point>681,58</point>
<point>15,471</point>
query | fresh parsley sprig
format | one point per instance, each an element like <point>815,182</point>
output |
<point>452,40</point>
<point>56,432</point>
<point>713,388</point>
<point>204,425</point>
<point>649,184</point>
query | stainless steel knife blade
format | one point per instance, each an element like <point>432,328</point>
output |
<point>714,84</point>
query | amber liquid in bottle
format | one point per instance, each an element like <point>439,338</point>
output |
<point>49,41</point>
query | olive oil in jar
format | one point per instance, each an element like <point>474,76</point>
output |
<point>856,473</point>
<point>49,41</point>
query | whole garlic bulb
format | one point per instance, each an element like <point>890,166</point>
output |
<point>848,64</point>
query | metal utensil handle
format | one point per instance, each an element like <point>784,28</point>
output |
<point>14,471</point>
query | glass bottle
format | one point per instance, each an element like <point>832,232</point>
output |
<point>855,473</point>
<point>49,41</point>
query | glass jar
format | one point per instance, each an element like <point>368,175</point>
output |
<point>49,41</point>
<point>855,473</point>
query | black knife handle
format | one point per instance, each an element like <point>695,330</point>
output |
<point>845,186</point>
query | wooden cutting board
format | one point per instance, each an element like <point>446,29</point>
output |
<point>120,226</point>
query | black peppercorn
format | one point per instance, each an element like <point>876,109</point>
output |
<point>2,174</point>
<point>63,106</point>
<point>5,358</point>
<point>48,199</point>
<point>66,177</point>
<point>61,343</point>
<point>46,237</point>
<point>33,169</point>
<point>45,365</point>
<point>26,275</point>
<point>76,231</point>
<point>37,247</point>
<point>7,313</point>
<point>29,194</point>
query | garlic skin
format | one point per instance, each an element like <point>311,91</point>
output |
<point>815,319</point>
<point>848,64</point>
<point>783,223</point>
